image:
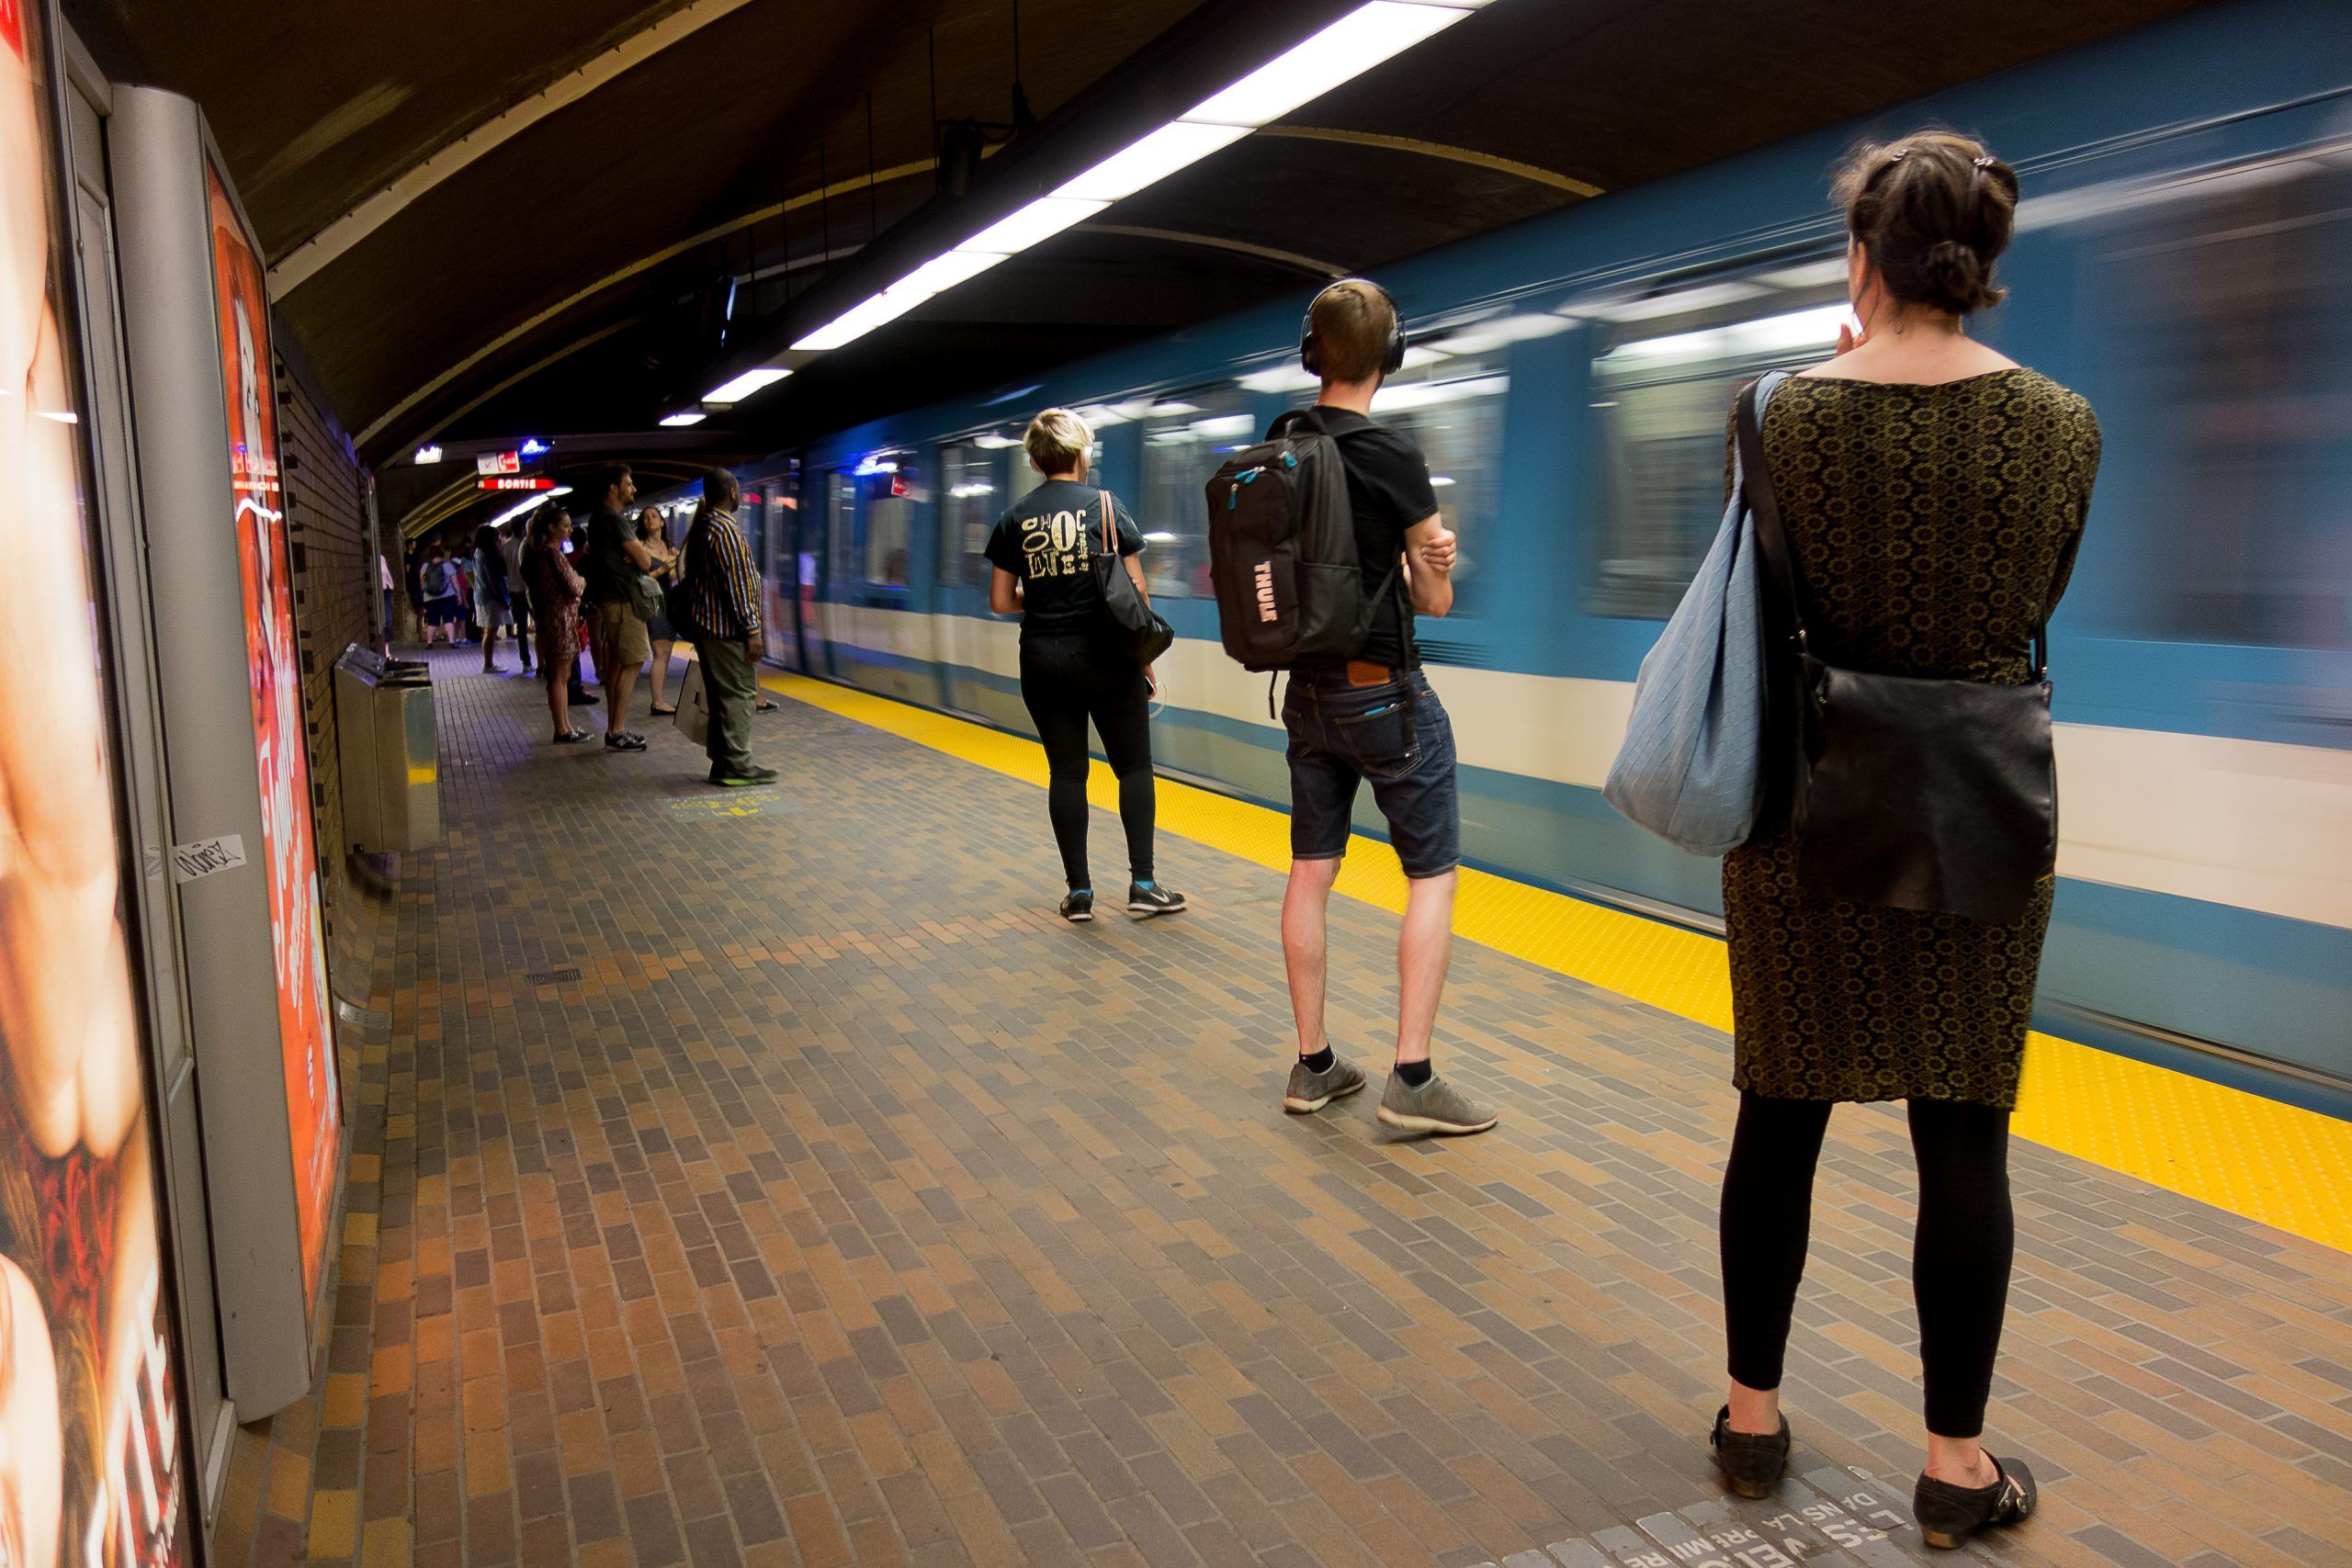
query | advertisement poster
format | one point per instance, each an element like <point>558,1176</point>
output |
<point>90,1449</point>
<point>296,933</point>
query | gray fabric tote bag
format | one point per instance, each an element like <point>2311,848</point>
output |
<point>1691,767</point>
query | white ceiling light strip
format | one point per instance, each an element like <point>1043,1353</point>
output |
<point>1364,38</point>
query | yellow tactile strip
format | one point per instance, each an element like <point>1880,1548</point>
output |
<point>2277,1164</point>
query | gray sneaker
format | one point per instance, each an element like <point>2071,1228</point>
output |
<point>1311,1091</point>
<point>1436,1107</point>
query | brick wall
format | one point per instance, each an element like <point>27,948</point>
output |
<point>326,514</point>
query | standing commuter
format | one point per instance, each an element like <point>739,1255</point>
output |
<point>1375,719</point>
<point>438,577</point>
<point>1042,552</point>
<point>620,640</point>
<point>723,590</point>
<point>510,543</point>
<point>555,589</point>
<point>493,593</point>
<point>659,633</point>
<point>384,576</point>
<point>1933,495</point>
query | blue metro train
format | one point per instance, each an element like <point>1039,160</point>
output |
<point>2184,259</point>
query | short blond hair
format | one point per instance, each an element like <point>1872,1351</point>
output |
<point>1352,322</point>
<point>1057,440</point>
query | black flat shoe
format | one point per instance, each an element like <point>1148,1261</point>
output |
<point>1752,1463</point>
<point>1949,1515</point>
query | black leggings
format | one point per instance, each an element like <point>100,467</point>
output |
<point>1066,681</point>
<point>1960,1255</point>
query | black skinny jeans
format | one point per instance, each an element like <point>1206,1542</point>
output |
<point>1960,1254</point>
<point>1065,681</point>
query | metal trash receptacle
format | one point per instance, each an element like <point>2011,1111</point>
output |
<point>391,772</point>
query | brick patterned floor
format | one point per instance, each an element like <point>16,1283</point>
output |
<point>767,1178</point>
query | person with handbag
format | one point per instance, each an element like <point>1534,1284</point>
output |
<point>1917,502</point>
<point>625,597</point>
<point>661,633</point>
<point>1061,556</point>
<point>492,593</point>
<point>717,601</point>
<point>554,589</point>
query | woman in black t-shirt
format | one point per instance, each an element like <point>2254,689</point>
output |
<point>1043,551</point>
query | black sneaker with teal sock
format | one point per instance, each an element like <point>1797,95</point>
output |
<point>1078,907</point>
<point>1146,899</point>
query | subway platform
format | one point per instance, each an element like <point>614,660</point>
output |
<point>768,1177</point>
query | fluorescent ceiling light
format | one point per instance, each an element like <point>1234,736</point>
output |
<point>1424,394</point>
<point>1681,302</point>
<point>743,386</point>
<point>1225,424</point>
<point>1170,410</point>
<point>859,319</point>
<point>1151,160</point>
<point>1813,275</point>
<point>992,441</point>
<point>683,418</point>
<point>1041,220</point>
<point>428,455</point>
<point>943,273</point>
<point>1419,356</point>
<point>1161,536</point>
<point>531,506</point>
<point>1769,334</point>
<point>1279,378</point>
<point>1441,481</point>
<point>1345,50</point>
<point>1484,337</point>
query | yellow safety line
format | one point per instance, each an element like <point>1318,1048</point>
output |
<point>2273,1163</point>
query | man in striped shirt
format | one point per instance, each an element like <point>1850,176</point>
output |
<point>723,604</point>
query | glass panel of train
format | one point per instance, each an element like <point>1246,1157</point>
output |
<point>970,497</point>
<point>2215,317</point>
<point>1665,367</point>
<point>1185,436</point>
<point>1452,409</point>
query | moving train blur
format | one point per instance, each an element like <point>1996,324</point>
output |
<point>2187,268</point>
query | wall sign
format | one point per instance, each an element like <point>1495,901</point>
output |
<point>499,463</point>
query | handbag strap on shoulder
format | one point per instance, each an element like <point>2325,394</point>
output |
<point>1110,527</point>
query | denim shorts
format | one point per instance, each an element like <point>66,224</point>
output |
<point>1394,735</point>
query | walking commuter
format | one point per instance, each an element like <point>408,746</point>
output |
<point>492,593</point>
<point>1042,551</point>
<point>1374,719</point>
<point>555,591</point>
<point>660,634</point>
<point>620,643</point>
<point>439,580</point>
<point>723,595</point>
<point>1932,493</point>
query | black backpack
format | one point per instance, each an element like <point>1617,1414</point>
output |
<point>1283,550</point>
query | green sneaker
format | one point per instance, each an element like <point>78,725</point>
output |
<point>1311,1091</point>
<point>1436,1107</point>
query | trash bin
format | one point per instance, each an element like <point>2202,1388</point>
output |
<point>391,772</point>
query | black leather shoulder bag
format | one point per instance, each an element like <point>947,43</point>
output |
<point>1909,793</point>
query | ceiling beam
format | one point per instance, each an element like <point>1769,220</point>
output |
<point>306,260</point>
<point>1451,153</point>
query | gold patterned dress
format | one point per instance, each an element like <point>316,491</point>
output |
<point>1931,524</point>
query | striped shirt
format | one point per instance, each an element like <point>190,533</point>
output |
<point>723,585</point>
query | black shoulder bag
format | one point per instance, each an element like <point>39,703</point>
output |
<point>1137,629</point>
<point>1909,793</point>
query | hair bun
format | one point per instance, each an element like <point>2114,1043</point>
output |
<point>1953,276</point>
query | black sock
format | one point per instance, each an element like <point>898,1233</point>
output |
<point>1320,1062</point>
<point>1415,1074</point>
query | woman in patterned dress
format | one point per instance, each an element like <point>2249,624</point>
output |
<point>1934,493</point>
<point>555,591</point>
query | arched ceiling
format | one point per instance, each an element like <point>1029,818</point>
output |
<point>485,218</point>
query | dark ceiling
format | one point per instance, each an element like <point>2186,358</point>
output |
<point>570,278</point>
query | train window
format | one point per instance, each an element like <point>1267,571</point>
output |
<point>889,536</point>
<point>840,526</point>
<point>2225,395</point>
<point>1453,411</point>
<point>1666,368</point>
<point>1185,436</point>
<point>971,498</point>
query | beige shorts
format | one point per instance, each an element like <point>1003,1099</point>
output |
<point>621,639</point>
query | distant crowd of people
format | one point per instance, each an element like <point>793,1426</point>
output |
<point>610,597</point>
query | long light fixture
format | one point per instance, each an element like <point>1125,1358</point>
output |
<point>743,386</point>
<point>1362,38</point>
<point>532,505</point>
<point>685,417</point>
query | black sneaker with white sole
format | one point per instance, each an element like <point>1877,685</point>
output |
<point>625,740</point>
<point>1078,907</point>
<point>1147,899</point>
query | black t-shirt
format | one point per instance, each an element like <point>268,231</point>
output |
<point>1389,490</point>
<point>606,568</point>
<point>1048,539</point>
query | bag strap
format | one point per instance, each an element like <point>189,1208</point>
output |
<point>1110,529</point>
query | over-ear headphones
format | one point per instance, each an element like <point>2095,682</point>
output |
<point>1391,362</point>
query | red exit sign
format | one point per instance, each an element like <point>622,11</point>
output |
<point>517,481</point>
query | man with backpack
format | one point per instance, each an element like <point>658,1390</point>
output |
<point>1326,540</point>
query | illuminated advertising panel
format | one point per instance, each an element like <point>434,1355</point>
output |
<point>90,1467</point>
<point>279,741</point>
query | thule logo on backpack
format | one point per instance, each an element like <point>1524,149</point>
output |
<point>1265,575</point>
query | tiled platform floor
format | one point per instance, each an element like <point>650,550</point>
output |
<point>769,1179</point>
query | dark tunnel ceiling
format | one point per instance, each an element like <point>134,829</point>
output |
<point>550,284</point>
